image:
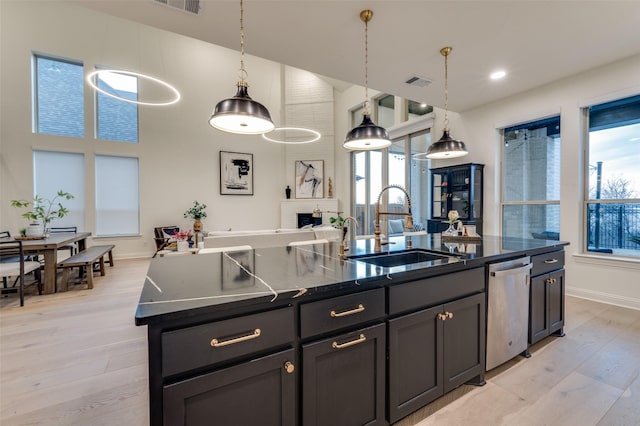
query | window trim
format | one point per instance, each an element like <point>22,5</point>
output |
<point>584,254</point>
<point>501,140</point>
<point>35,116</point>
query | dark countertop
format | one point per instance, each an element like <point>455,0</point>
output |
<point>177,287</point>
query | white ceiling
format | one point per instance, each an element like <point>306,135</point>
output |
<point>536,42</point>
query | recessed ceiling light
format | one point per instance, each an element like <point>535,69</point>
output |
<point>497,75</point>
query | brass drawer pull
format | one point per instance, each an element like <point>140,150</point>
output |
<point>335,314</point>
<point>360,339</point>
<point>551,261</point>
<point>217,344</point>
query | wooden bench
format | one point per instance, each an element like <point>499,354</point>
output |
<point>85,259</point>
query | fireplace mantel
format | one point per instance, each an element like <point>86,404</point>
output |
<point>290,208</point>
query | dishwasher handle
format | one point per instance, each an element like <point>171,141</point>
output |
<point>513,271</point>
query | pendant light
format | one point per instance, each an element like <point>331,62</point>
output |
<point>367,135</point>
<point>446,147</point>
<point>241,114</point>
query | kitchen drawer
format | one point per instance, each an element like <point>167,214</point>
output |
<point>339,312</point>
<point>208,344</point>
<point>543,263</point>
<point>432,291</point>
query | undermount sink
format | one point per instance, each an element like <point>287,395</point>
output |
<point>389,260</point>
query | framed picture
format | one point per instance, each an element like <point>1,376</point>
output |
<point>310,179</point>
<point>236,173</point>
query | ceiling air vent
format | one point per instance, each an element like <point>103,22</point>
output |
<point>416,80</point>
<point>191,6</point>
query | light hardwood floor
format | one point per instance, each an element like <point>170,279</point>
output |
<point>77,358</point>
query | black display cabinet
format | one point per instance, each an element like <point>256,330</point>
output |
<point>456,188</point>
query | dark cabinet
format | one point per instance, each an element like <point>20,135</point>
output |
<point>343,379</point>
<point>433,351</point>
<point>259,392</point>
<point>547,293</point>
<point>457,188</point>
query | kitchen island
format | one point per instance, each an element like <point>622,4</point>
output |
<point>298,335</point>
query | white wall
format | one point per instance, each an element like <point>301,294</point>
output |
<point>178,150</point>
<point>612,281</point>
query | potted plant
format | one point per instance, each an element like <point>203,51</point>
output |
<point>43,211</point>
<point>196,212</point>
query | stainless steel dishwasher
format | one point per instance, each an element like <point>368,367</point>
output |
<point>508,310</point>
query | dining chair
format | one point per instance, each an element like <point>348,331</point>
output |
<point>17,266</point>
<point>73,247</point>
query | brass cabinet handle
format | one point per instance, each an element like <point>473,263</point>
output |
<point>551,280</point>
<point>551,261</point>
<point>360,339</point>
<point>449,314</point>
<point>218,344</point>
<point>335,314</point>
<point>289,367</point>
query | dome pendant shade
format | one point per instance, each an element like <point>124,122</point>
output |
<point>241,114</point>
<point>446,147</point>
<point>367,136</point>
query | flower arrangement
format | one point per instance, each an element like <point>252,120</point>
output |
<point>43,209</point>
<point>182,235</point>
<point>197,211</point>
<point>336,222</point>
<point>453,216</point>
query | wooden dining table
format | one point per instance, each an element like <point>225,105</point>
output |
<point>48,247</point>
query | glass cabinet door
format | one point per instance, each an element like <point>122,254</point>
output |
<point>440,194</point>
<point>477,193</point>
<point>459,188</point>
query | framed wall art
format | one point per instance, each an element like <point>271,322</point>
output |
<point>236,173</point>
<point>309,178</point>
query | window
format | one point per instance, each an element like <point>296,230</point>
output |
<point>117,119</point>
<point>417,110</point>
<point>55,171</point>
<point>59,97</point>
<point>367,184</point>
<point>531,180</point>
<point>613,192</point>
<point>117,196</point>
<point>385,106</point>
<point>373,171</point>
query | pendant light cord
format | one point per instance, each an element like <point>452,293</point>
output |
<point>366,68</point>
<point>242,73</point>
<point>446,93</point>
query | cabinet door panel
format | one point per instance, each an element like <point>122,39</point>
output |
<point>260,392</point>
<point>415,362</point>
<point>345,385</point>
<point>464,340</point>
<point>556,301</point>
<point>538,307</point>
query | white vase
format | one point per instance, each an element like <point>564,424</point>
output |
<point>183,245</point>
<point>35,230</point>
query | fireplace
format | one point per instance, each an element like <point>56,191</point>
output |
<point>305,219</point>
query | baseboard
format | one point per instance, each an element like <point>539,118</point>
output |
<point>598,296</point>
